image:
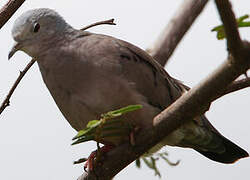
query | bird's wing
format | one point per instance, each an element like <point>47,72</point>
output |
<point>150,78</point>
<point>136,66</point>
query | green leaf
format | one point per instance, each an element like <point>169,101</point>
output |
<point>84,139</point>
<point>93,123</point>
<point>157,172</point>
<point>152,165</point>
<point>168,161</point>
<point>127,109</point>
<point>80,133</point>
<point>242,18</point>
<point>90,128</point>
<point>148,163</point>
<point>151,162</point>
<point>107,126</point>
<point>240,23</point>
<point>138,163</point>
<point>84,132</point>
<point>121,111</point>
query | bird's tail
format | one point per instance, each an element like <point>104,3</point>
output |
<point>231,154</point>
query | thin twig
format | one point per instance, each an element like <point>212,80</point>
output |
<point>176,29</point>
<point>6,101</point>
<point>8,10</point>
<point>236,86</point>
<point>109,22</point>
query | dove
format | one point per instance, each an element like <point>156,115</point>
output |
<point>88,74</point>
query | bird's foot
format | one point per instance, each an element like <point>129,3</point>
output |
<point>94,157</point>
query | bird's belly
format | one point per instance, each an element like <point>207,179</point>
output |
<point>76,112</point>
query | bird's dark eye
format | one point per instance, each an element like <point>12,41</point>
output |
<point>36,27</point>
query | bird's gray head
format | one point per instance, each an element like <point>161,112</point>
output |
<point>35,27</point>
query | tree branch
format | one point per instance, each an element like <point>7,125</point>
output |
<point>234,42</point>
<point>8,10</point>
<point>176,29</point>
<point>188,106</point>
<point>236,86</point>
<point>6,101</point>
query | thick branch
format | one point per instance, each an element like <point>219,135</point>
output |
<point>176,29</point>
<point>6,101</point>
<point>8,10</point>
<point>188,106</point>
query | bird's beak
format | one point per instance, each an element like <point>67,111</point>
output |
<point>16,47</point>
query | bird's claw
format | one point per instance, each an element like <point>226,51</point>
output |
<point>94,157</point>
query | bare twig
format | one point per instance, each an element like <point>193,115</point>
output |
<point>188,106</point>
<point>8,10</point>
<point>109,22</point>
<point>236,86</point>
<point>6,101</point>
<point>176,29</point>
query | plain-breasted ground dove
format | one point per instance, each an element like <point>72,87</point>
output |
<point>89,74</point>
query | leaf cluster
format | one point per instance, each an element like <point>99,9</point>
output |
<point>240,22</point>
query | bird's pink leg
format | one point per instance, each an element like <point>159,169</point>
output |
<point>90,161</point>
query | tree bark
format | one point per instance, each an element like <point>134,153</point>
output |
<point>175,30</point>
